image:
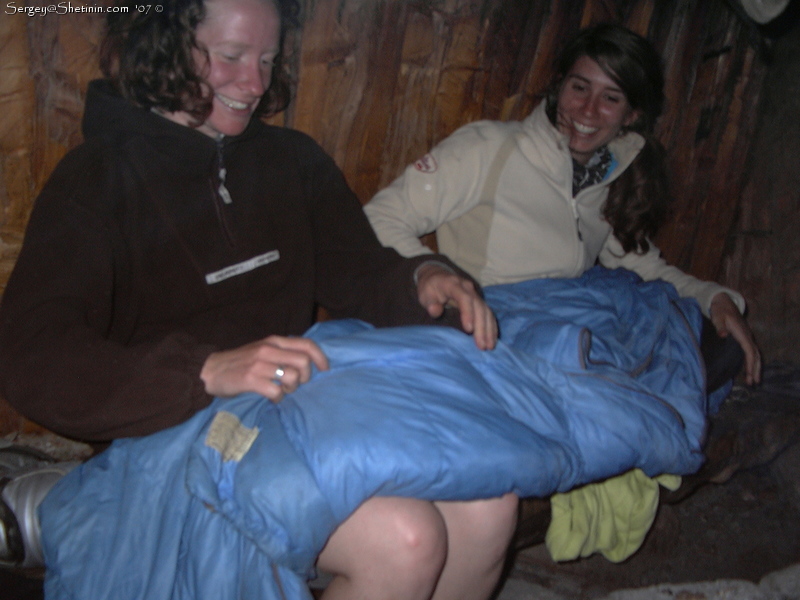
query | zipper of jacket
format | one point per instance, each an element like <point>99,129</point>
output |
<point>581,252</point>
<point>577,225</point>
<point>575,215</point>
<point>224,194</point>
<point>222,197</point>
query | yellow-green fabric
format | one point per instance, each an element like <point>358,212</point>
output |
<point>611,517</point>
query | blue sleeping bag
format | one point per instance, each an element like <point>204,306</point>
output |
<point>592,377</point>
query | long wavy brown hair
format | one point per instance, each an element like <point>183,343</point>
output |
<point>638,200</point>
<point>148,56</point>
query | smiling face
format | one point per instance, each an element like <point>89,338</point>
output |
<point>592,109</point>
<point>242,38</point>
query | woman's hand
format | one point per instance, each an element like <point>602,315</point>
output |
<point>271,367</point>
<point>438,286</point>
<point>729,321</point>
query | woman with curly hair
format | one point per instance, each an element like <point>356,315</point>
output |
<point>178,254</point>
<point>580,181</point>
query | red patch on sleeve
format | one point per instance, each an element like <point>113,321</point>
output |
<point>426,164</point>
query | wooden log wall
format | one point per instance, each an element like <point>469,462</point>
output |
<point>378,82</point>
<point>765,262</point>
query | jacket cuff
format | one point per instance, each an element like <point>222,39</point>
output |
<point>436,263</point>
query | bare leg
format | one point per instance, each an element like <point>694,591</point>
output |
<point>479,534</point>
<point>414,550</point>
<point>390,548</point>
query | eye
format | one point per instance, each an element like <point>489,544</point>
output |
<point>613,98</point>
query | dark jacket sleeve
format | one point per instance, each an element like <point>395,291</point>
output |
<point>66,359</point>
<point>356,275</point>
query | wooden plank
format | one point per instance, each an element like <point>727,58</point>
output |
<point>723,201</point>
<point>16,136</point>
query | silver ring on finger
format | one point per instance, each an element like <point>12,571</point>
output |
<point>279,373</point>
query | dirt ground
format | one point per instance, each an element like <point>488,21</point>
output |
<point>743,528</point>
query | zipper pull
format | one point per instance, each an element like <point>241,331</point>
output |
<point>223,191</point>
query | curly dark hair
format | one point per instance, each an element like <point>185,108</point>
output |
<point>638,200</point>
<point>148,57</point>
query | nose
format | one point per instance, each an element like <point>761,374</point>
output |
<point>254,79</point>
<point>590,105</point>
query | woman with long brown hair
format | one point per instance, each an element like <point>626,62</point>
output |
<point>580,181</point>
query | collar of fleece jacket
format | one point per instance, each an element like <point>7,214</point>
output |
<point>108,114</point>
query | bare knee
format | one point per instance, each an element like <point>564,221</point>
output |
<point>418,538</point>
<point>390,546</point>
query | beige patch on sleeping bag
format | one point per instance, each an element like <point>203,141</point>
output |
<point>229,437</point>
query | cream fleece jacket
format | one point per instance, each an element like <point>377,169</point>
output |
<point>499,196</point>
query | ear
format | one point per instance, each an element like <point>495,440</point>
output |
<point>634,116</point>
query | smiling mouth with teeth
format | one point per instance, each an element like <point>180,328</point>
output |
<point>231,103</point>
<point>580,128</point>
